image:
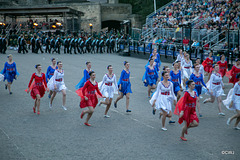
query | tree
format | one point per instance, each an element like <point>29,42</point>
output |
<point>144,7</point>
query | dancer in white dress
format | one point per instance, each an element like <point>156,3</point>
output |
<point>215,86</point>
<point>233,103</point>
<point>201,70</point>
<point>180,57</point>
<point>56,84</point>
<point>186,68</point>
<point>164,96</point>
<point>108,87</point>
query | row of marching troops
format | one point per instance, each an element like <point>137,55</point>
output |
<point>69,44</point>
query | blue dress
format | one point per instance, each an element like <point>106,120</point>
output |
<point>176,80</point>
<point>86,77</point>
<point>9,71</point>
<point>50,73</point>
<point>151,76</point>
<point>198,83</point>
<point>125,83</point>
<point>157,60</point>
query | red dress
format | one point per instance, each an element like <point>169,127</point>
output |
<point>189,107</point>
<point>222,67</point>
<point>233,72</point>
<point>207,64</point>
<point>38,85</point>
<point>88,90</point>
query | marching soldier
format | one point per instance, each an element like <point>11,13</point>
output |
<point>47,42</point>
<point>52,44</point>
<point>66,45</point>
<point>33,43</point>
<point>38,45</point>
<point>23,45</point>
<point>4,44</point>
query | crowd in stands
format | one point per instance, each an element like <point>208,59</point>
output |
<point>219,13</point>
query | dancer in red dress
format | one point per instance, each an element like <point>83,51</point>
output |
<point>187,108</point>
<point>207,64</point>
<point>234,71</point>
<point>223,66</point>
<point>89,97</point>
<point>38,87</point>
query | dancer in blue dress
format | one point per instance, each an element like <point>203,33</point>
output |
<point>175,75</point>
<point>50,72</point>
<point>197,77</point>
<point>86,76</point>
<point>10,72</point>
<point>156,57</point>
<point>151,76</point>
<point>124,86</point>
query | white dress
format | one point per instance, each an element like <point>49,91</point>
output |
<point>180,58</point>
<point>215,84</point>
<point>164,97</point>
<point>58,80</point>
<point>233,94</point>
<point>201,70</point>
<point>1,77</point>
<point>108,86</point>
<point>186,68</point>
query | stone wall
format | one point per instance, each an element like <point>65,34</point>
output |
<point>118,12</point>
<point>92,14</point>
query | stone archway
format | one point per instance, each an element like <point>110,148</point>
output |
<point>111,24</point>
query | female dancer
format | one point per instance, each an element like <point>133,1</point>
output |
<point>124,86</point>
<point>187,68</point>
<point>108,87</point>
<point>207,64</point>
<point>198,79</point>
<point>38,87</point>
<point>163,97</point>
<point>215,88</point>
<point>180,57</point>
<point>10,72</point>
<point>89,98</point>
<point>151,77</point>
<point>86,76</point>
<point>156,57</point>
<point>187,108</point>
<point>233,103</point>
<point>175,75</point>
<point>201,69</point>
<point>234,71</point>
<point>223,66</point>
<point>56,84</point>
<point>50,72</point>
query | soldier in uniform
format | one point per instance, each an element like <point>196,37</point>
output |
<point>93,45</point>
<point>82,44</point>
<point>4,44</point>
<point>66,45</point>
<point>108,45</point>
<point>19,43</point>
<point>33,43</point>
<point>52,44</point>
<point>112,45</point>
<point>38,45</point>
<point>57,45</point>
<point>23,45</point>
<point>72,45</point>
<point>101,45</point>
<point>47,43</point>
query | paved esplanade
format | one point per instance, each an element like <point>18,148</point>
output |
<point>58,134</point>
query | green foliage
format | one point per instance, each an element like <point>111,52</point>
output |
<point>144,7</point>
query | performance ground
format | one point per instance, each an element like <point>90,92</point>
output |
<point>57,134</point>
